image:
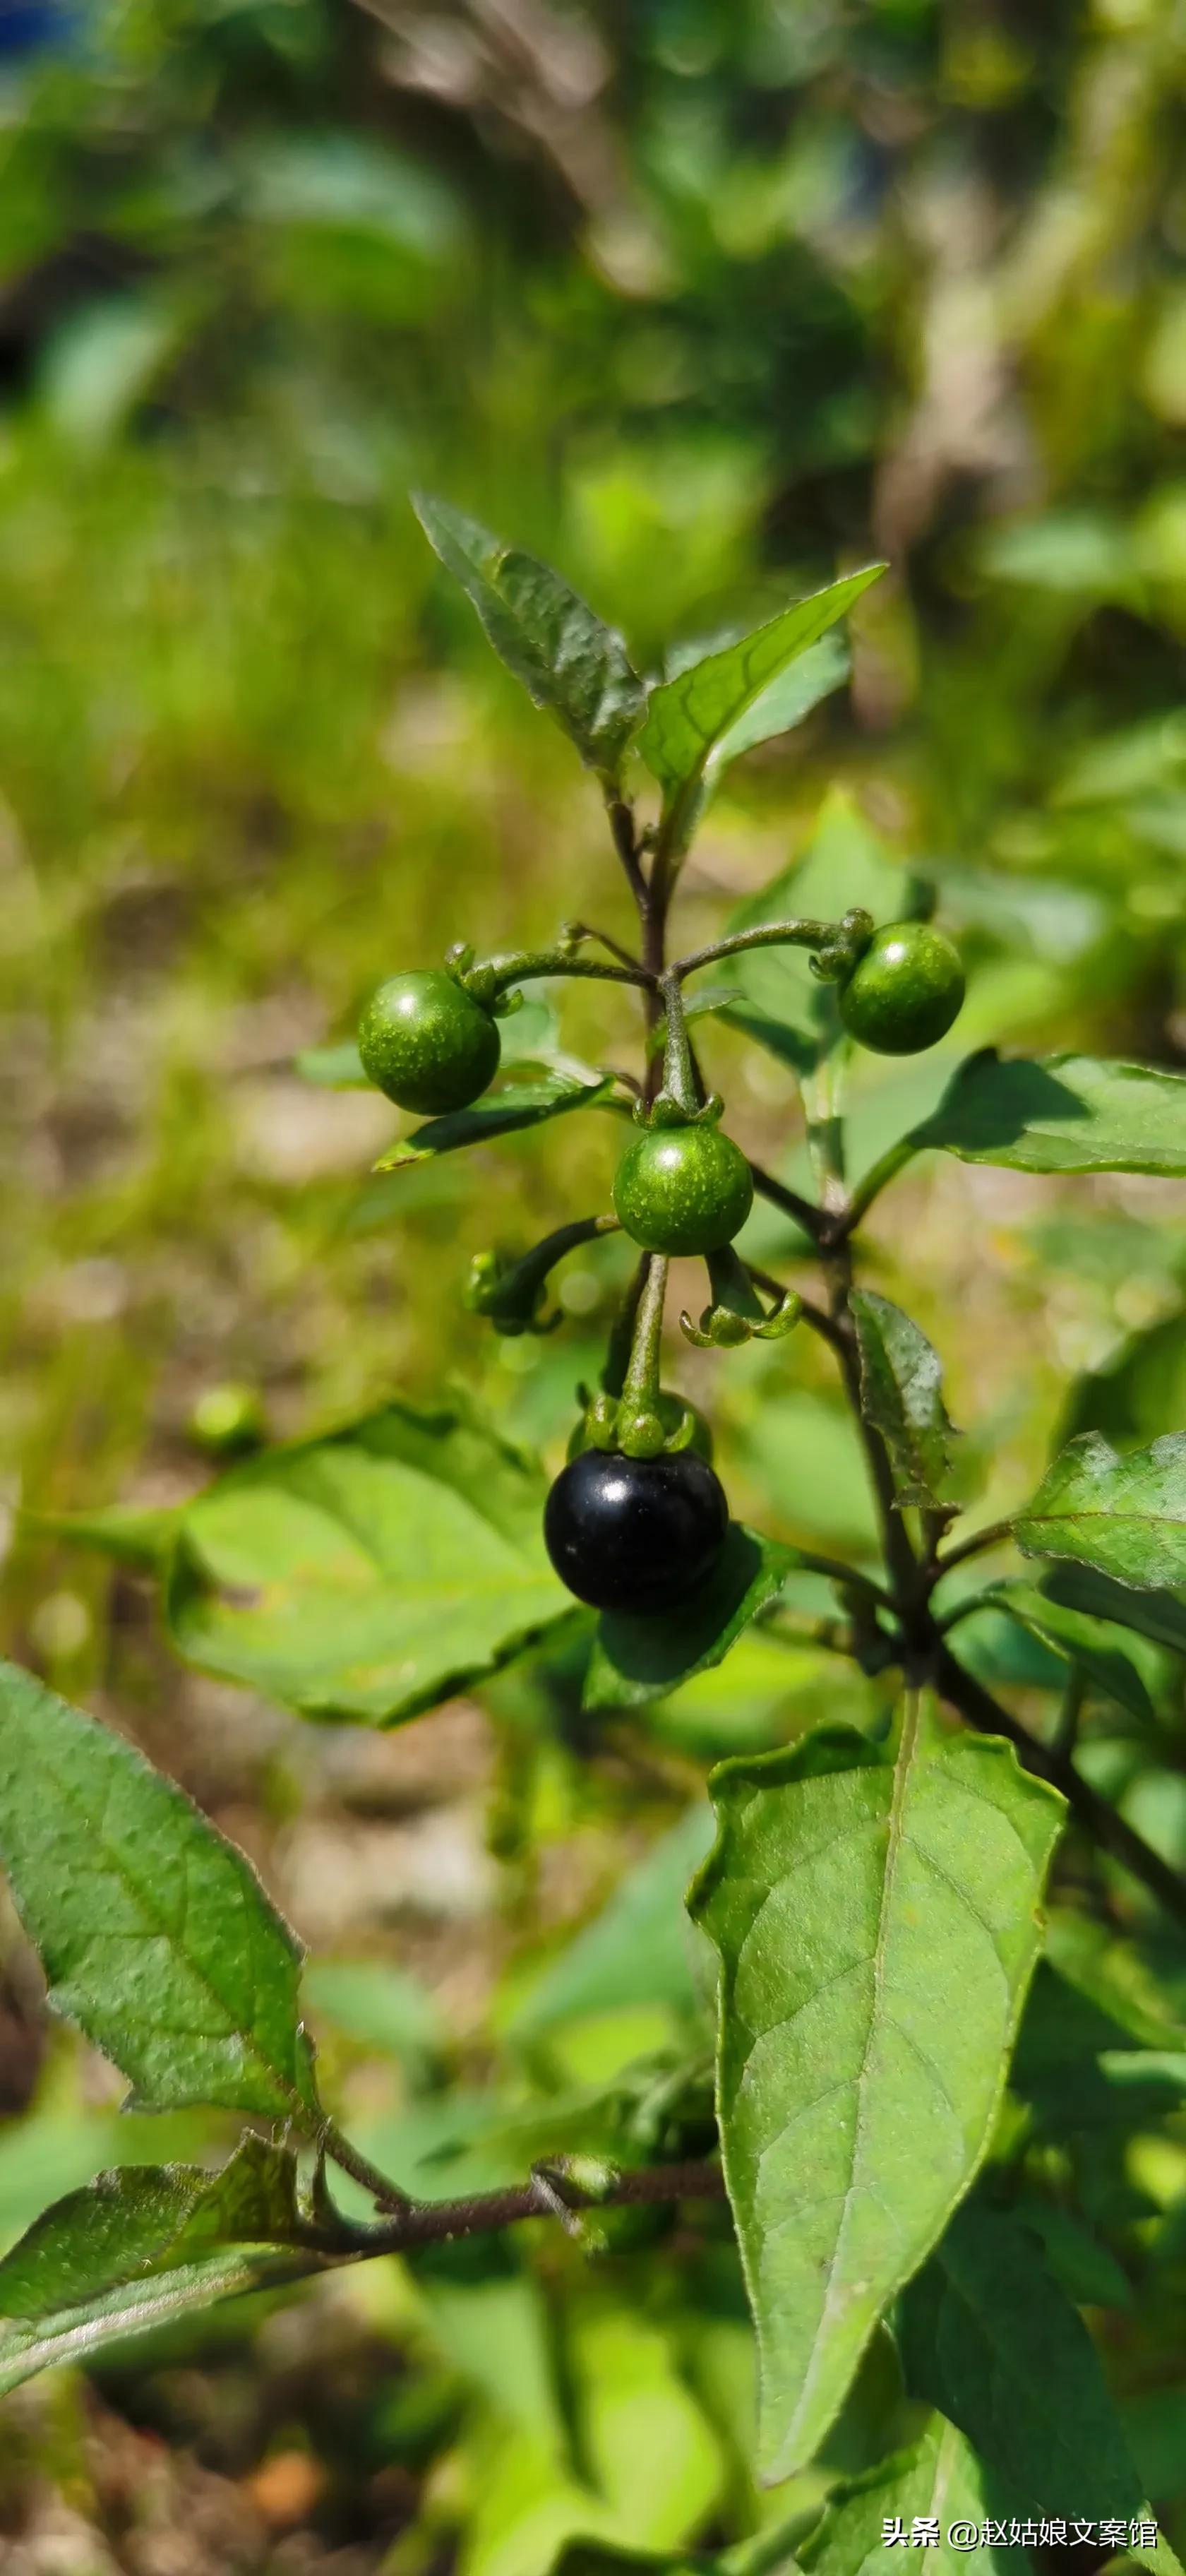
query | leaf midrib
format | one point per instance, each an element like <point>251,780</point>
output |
<point>895,1838</point>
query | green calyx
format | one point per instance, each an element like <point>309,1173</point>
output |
<point>639,1427</point>
<point>736,1314</point>
<point>905,991</point>
<point>843,947</point>
<point>511,1292</point>
<point>683,1188</point>
<point>427,1043</point>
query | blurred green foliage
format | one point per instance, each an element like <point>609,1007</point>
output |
<point>704,300</point>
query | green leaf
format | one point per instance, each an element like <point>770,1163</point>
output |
<point>333,1068</point>
<point>787,699</point>
<point>135,1534</point>
<point>781,1039</point>
<point>939,2479</point>
<point>635,1660</point>
<point>704,715</point>
<point>1156,1615</point>
<point>601,2558</point>
<point>566,659</point>
<point>517,1106</point>
<point>1061,1113</point>
<point>1124,1516</point>
<point>369,1574</point>
<point>1137,1389</point>
<point>1082,2265</point>
<point>382,2006</point>
<point>902,1396</point>
<point>987,2333</point>
<point>1140,1985</point>
<point>636,1949</point>
<point>155,1934</point>
<point>876,1919</point>
<point>149,2242</point>
<point>1079,1642</point>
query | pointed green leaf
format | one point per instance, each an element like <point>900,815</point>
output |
<point>155,1934</point>
<point>508,1112</point>
<point>938,2480</point>
<point>876,1919</point>
<point>369,1574</point>
<point>691,718</point>
<point>606,2558</point>
<point>785,700</point>
<point>1137,1389</point>
<point>1139,1984</point>
<point>1124,1516</point>
<point>635,1660</point>
<point>1158,1615</point>
<point>902,1396</point>
<point>1061,1113</point>
<point>566,659</point>
<point>634,1951</point>
<point>988,2334</point>
<point>1086,1644</point>
<point>146,2243</point>
<point>333,1068</point>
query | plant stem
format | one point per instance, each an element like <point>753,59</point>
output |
<point>810,1218</point>
<point>900,1559</point>
<point>876,1179</point>
<point>523,965</point>
<point>621,1340</point>
<point>992,1536</point>
<point>772,934</point>
<point>586,930</point>
<point>644,1369</point>
<point>822,1098</point>
<point>625,837</point>
<point>435,2222</point>
<point>768,2550</point>
<point>387,2194</point>
<point>679,1074</point>
<point>1053,1763</point>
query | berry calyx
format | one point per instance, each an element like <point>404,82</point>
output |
<point>427,1043</point>
<point>683,1189</point>
<point>905,991</point>
<point>635,1534</point>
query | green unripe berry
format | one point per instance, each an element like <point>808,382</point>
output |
<point>683,1189</point>
<point>426,1043</point>
<point>906,990</point>
<point>227,1421</point>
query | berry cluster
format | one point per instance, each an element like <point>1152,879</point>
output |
<point>637,1519</point>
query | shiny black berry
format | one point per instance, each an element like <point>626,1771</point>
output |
<point>635,1534</point>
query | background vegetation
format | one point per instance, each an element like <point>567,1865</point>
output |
<point>702,302</point>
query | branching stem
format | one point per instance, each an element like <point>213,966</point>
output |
<point>975,1545</point>
<point>771,934</point>
<point>1053,1763</point>
<point>523,966</point>
<point>438,2222</point>
<point>810,1218</point>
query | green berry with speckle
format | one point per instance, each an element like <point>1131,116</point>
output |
<point>683,1189</point>
<point>906,990</point>
<point>426,1043</point>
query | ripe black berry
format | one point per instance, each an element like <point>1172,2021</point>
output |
<point>635,1534</point>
